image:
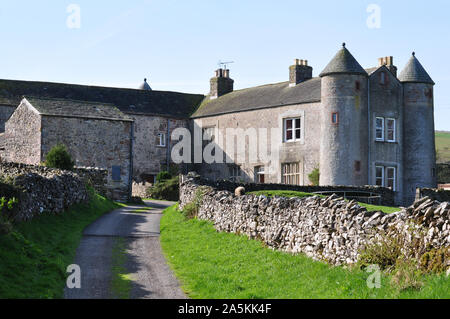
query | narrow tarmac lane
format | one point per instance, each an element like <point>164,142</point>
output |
<point>133,233</point>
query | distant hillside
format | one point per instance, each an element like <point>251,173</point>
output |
<point>443,146</point>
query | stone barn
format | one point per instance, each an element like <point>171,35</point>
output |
<point>156,115</point>
<point>96,135</point>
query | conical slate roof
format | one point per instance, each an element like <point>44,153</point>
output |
<point>343,62</point>
<point>415,72</point>
<point>145,86</point>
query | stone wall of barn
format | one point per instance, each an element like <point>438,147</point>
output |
<point>21,141</point>
<point>97,143</point>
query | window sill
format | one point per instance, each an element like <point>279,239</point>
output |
<point>386,142</point>
<point>160,146</point>
<point>293,142</point>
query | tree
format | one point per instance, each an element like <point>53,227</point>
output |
<point>314,177</point>
<point>59,157</point>
<point>163,176</point>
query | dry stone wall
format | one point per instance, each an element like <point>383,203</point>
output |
<point>440,195</point>
<point>386,195</point>
<point>41,189</point>
<point>330,229</point>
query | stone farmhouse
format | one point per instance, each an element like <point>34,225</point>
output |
<point>357,126</point>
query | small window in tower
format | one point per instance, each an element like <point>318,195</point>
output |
<point>357,166</point>
<point>335,118</point>
<point>379,176</point>
<point>390,123</point>
<point>390,171</point>
<point>379,127</point>
<point>357,85</point>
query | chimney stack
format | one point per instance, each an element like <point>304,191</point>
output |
<point>388,61</point>
<point>299,72</point>
<point>221,84</point>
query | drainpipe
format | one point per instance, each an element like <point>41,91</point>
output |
<point>168,145</point>
<point>369,119</point>
<point>131,161</point>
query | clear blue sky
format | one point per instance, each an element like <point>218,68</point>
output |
<point>177,44</point>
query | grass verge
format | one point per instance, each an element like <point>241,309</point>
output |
<point>121,281</point>
<point>35,255</point>
<point>222,265</point>
<point>370,208</point>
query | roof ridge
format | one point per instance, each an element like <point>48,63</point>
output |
<point>97,86</point>
<point>67,100</point>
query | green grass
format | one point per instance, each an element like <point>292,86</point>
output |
<point>443,146</point>
<point>289,194</point>
<point>282,193</point>
<point>35,256</point>
<point>121,281</point>
<point>375,208</point>
<point>142,211</point>
<point>222,265</point>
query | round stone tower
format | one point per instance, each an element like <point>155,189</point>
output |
<point>344,122</point>
<point>419,150</point>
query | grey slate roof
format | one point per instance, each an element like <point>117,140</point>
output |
<point>72,108</point>
<point>261,97</point>
<point>343,62</point>
<point>159,103</point>
<point>415,72</point>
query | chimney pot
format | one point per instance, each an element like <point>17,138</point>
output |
<point>221,84</point>
<point>388,61</point>
<point>299,72</point>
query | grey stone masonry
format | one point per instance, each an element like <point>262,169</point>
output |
<point>100,142</point>
<point>43,189</point>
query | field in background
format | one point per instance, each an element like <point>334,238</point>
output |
<point>443,146</point>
